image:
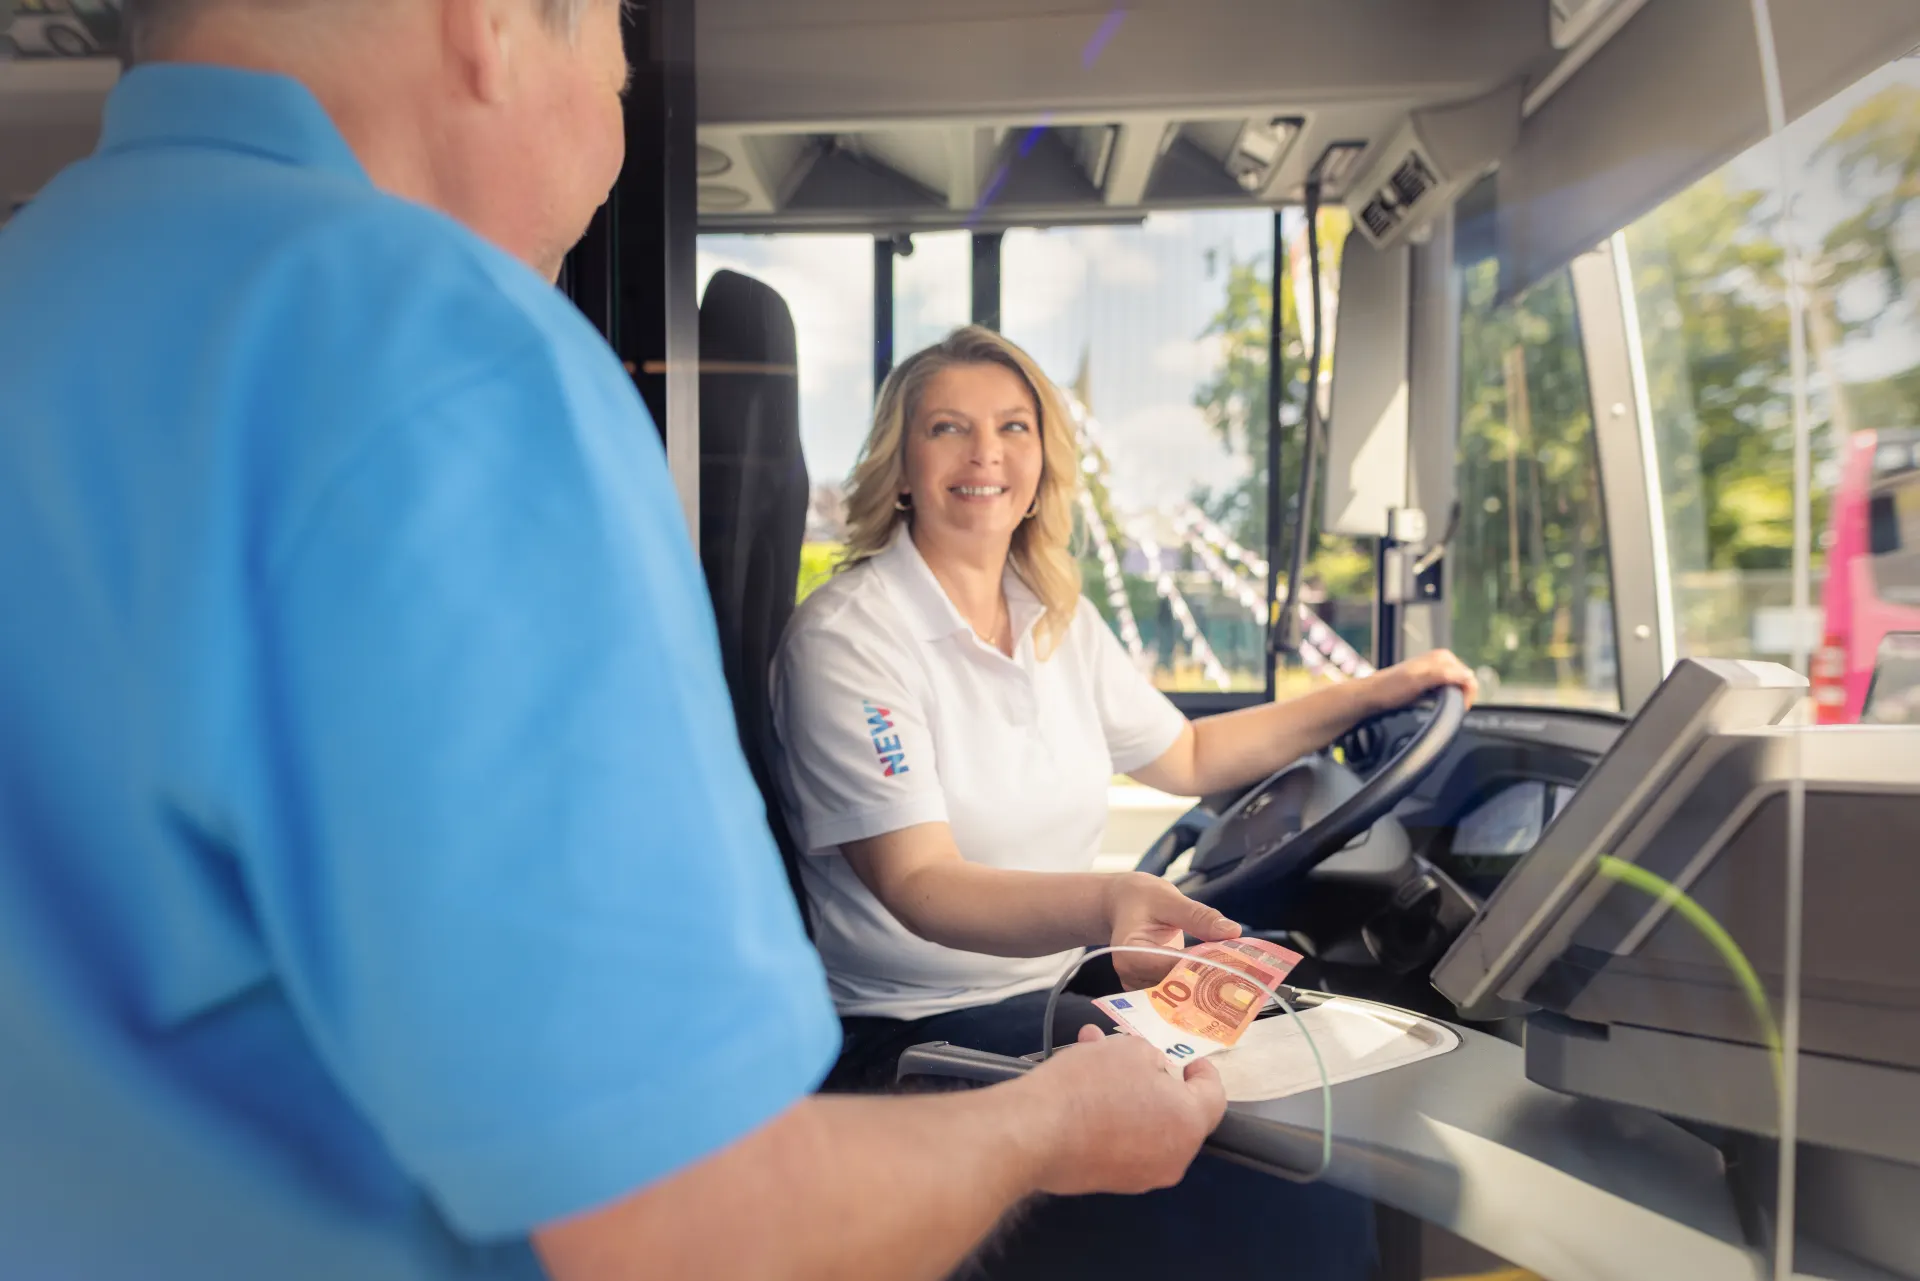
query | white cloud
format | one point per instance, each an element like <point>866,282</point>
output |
<point>1042,275</point>
<point>1160,452</point>
<point>1116,257</point>
<point>932,290</point>
<point>1193,359</point>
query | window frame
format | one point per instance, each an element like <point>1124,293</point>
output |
<point>1632,503</point>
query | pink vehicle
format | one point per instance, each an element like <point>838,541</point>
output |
<point>1873,567</point>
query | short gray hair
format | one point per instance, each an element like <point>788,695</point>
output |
<point>146,25</point>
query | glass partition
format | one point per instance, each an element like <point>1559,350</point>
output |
<point>1707,271</point>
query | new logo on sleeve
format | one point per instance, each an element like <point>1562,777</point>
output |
<point>886,743</point>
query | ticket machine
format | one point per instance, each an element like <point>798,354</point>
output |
<point>1722,912</point>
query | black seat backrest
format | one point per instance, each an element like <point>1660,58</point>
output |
<point>753,508</point>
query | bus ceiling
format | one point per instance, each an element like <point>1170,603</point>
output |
<point>904,115</point>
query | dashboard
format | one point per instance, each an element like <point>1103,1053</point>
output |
<point>1506,825</point>
<point>1504,781</point>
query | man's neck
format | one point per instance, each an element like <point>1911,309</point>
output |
<point>363,85</point>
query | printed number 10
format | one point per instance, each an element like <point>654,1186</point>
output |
<point>1180,1051</point>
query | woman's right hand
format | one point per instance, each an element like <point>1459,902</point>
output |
<point>1404,682</point>
<point>1147,911</point>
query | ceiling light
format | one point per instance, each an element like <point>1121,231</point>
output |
<point>1258,150</point>
<point>715,198</point>
<point>1336,165</point>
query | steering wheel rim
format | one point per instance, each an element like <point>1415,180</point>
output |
<point>1320,840</point>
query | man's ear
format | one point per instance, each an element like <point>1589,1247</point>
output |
<point>479,40</point>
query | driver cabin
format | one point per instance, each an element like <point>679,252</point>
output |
<point>1540,330</point>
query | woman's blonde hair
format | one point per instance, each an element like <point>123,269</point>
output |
<point>1042,553</point>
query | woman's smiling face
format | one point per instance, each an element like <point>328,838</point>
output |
<point>973,456</point>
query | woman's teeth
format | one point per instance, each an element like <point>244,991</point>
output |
<point>979,491</point>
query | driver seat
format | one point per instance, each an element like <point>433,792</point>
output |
<point>753,511</point>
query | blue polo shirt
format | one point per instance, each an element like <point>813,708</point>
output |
<point>379,874</point>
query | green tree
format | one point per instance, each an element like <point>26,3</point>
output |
<point>1708,283</point>
<point>1875,153</point>
<point>1234,404</point>
<point>1876,157</point>
<point>1530,552</point>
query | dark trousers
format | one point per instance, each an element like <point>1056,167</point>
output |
<point>1222,1219</point>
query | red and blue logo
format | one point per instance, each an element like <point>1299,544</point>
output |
<point>886,743</point>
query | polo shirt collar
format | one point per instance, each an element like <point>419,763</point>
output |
<point>930,611</point>
<point>175,103</point>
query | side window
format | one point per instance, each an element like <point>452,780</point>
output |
<point>1895,544</point>
<point>1531,584</point>
<point>1883,525</point>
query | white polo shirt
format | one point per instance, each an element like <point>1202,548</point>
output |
<point>892,713</point>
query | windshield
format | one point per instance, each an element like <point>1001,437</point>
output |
<point>1160,334</point>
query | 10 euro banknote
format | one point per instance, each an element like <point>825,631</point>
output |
<point>1201,1009</point>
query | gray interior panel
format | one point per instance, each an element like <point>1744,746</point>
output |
<point>1673,95</point>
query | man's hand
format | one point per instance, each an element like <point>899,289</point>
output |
<point>1404,682</point>
<point>846,1186</point>
<point>1146,911</point>
<point>1115,1119</point>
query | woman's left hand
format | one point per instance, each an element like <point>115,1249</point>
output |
<point>1146,911</point>
<point>1403,683</point>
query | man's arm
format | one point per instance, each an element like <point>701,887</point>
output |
<point>890,1188</point>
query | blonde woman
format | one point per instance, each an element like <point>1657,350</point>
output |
<point>951,712</point>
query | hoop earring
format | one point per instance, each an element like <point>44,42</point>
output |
<point>1032,511</point>
<point>904,503</point>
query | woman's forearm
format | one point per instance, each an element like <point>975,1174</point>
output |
<point>1002,912</point>
<point>1230,750</point>
<point>921,879</point>
<point>1238,748</point>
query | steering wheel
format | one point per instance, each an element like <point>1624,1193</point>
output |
<point>1299,818</point>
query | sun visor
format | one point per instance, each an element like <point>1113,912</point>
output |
<point>1366,477</point>
<point>1671,97</point>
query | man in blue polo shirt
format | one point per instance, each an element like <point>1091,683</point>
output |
<point>381,889</point>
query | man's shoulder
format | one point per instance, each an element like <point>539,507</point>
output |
<point>422,281</point>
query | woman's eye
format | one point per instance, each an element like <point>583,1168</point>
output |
<point>1016,425</point>
<point>946,428</point>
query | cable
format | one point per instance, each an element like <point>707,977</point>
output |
<point>1326,1089</point>
<point>1658,887</point>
